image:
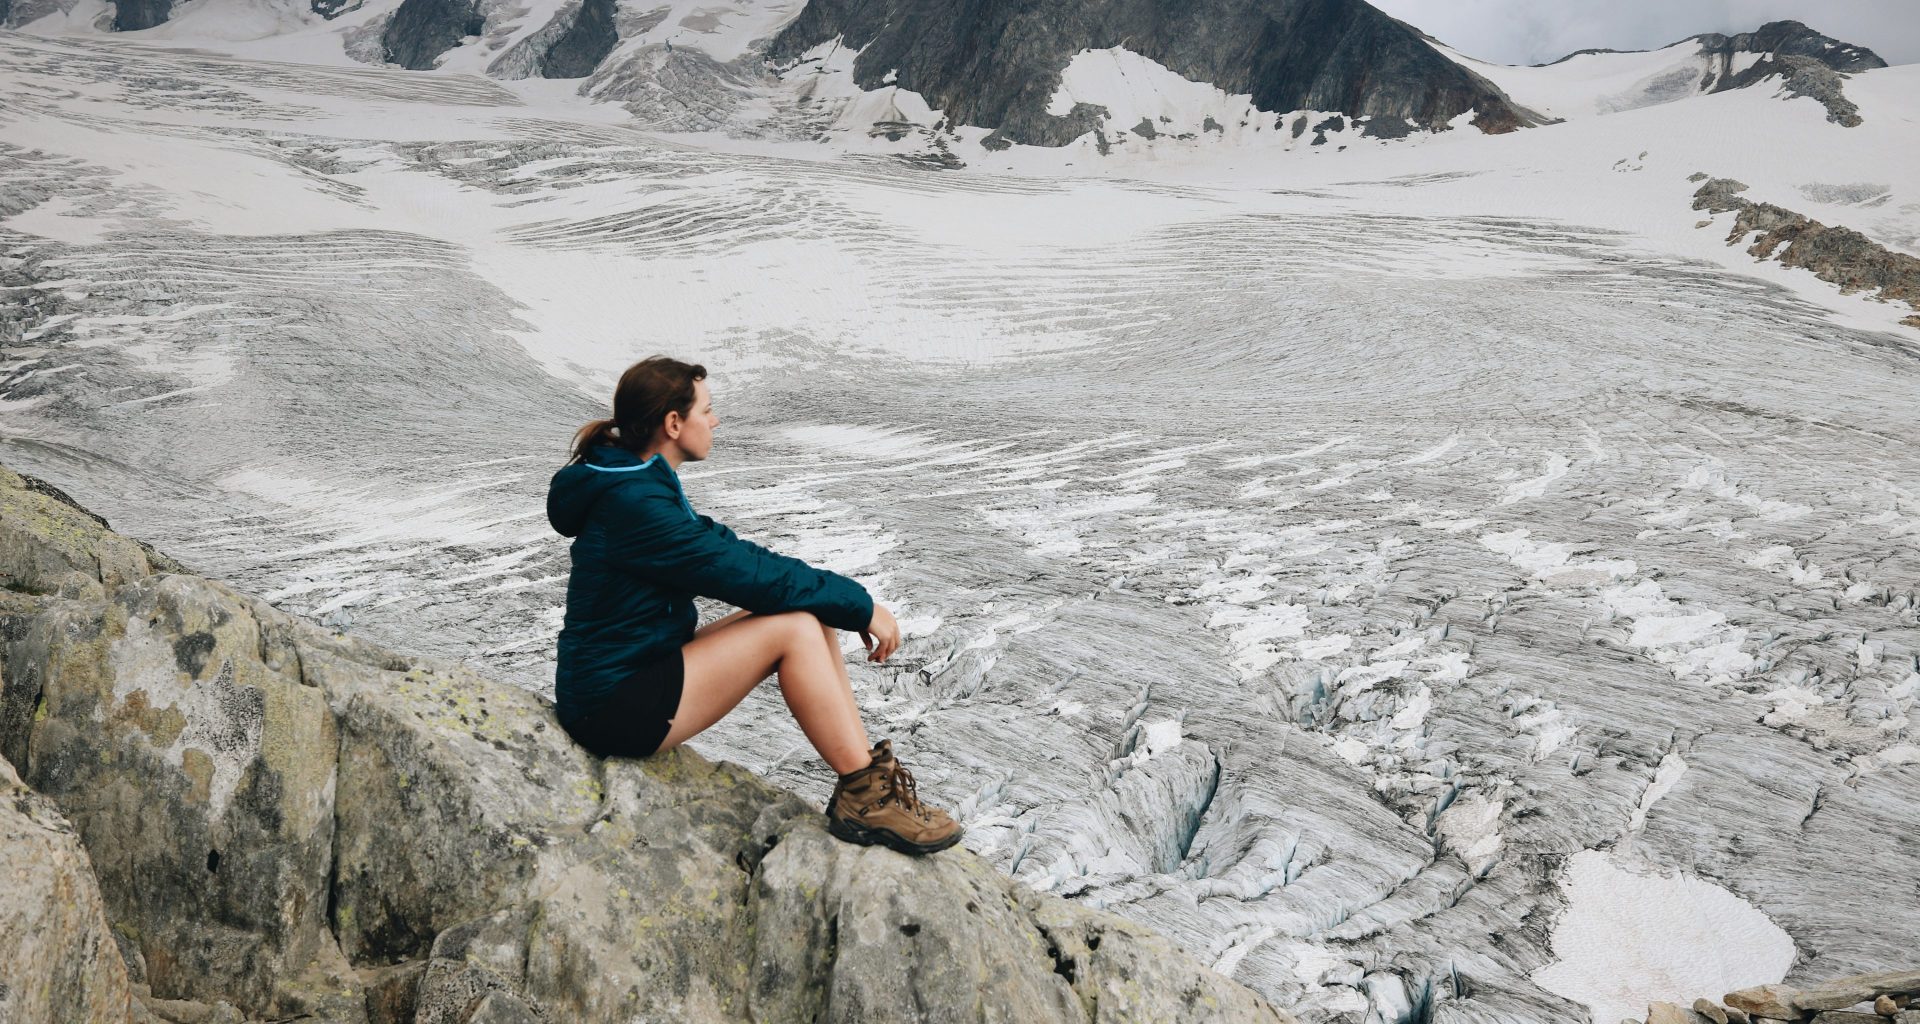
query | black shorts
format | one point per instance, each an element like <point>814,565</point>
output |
<point>633,719</point>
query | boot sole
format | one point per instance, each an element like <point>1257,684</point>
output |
<point>861,835</point>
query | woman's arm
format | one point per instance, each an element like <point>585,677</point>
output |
<point>657,538</point>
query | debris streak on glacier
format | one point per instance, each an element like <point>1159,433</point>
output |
<point>1306,577</point>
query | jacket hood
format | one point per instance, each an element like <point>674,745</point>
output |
<point>575,488</point>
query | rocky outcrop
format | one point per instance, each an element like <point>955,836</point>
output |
<point>58,960</point>
<point>1887,994</point>
<point>996,64</point>
<point>571,45</point>
<point>1793,39</point>
<point>134,15</point>
<point>586,42</point>
<point>422,30</point>
<point>1840,255</point>
<point>1805,62</point>
<point>295,823</point>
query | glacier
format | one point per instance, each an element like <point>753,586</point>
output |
<point>1352,564</point>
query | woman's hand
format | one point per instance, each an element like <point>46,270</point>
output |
<point>882,635</point>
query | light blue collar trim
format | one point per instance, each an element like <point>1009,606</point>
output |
<point>651,459</point>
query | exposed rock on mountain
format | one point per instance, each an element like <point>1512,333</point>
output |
<point>133,15</point>
<point>1808,63</point>
<point>330,9</point>
<point>586,42</point>
<point>422,30</point>
<point>571,45</point>
<point>1792,39</point>
<point>1840,255</point>
<point>299,824</point>
<point>1778,38</point>
<point>998,65</point>
<point>1800,60</point>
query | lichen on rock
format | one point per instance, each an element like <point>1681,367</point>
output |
<point>283,822</point>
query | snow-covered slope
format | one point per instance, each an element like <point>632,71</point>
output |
<point>1778,54</point>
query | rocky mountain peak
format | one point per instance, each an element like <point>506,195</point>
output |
<point>998,64</point>
<point>1792,38</point>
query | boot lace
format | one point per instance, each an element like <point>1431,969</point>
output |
<point>901,790</point>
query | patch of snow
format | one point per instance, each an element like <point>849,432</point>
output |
<point>1630,937</point>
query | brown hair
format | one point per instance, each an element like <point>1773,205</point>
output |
<point>649,390</point>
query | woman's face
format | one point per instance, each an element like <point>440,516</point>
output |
<point>696,429</point>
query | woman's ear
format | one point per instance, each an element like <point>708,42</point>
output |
<point>673,425</point>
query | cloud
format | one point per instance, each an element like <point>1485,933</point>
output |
<point>1537,31</point>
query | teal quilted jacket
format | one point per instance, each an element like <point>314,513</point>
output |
<point>640,554</point>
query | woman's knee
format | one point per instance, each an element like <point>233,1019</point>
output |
<point>801,626</point>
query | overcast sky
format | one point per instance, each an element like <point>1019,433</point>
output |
<point>1537,31</point>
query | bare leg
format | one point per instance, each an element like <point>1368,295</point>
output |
<point>852,707</point>
<point>724,665</point>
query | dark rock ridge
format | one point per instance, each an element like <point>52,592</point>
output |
<point>1793,39</point>
<point>996,63</point>
<point>570,45</point>
<point>1808,63</point>
<point>1840,255</point>
<point>134,15</point>
<point>422,30</point>
<point>235,814</point>
<point>1788,37</point>
<point>585,44</point>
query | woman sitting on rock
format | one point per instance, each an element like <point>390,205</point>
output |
<point>635,676</point>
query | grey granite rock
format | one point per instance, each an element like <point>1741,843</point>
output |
<point>1671,1013</point>
<point>200,772</point>
<point>58,960</point>
<point>1773,1002</point>
<point>1711,1010</point>
<point>393,992</point>
<point>238,772</point>
<point>1861,988</point>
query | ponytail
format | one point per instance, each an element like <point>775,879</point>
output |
<point>647,392</point>
<point>598,432</point>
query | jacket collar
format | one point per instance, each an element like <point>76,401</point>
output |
<point>611,459</point>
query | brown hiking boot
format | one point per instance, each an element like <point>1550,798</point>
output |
<point>877,804</point>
